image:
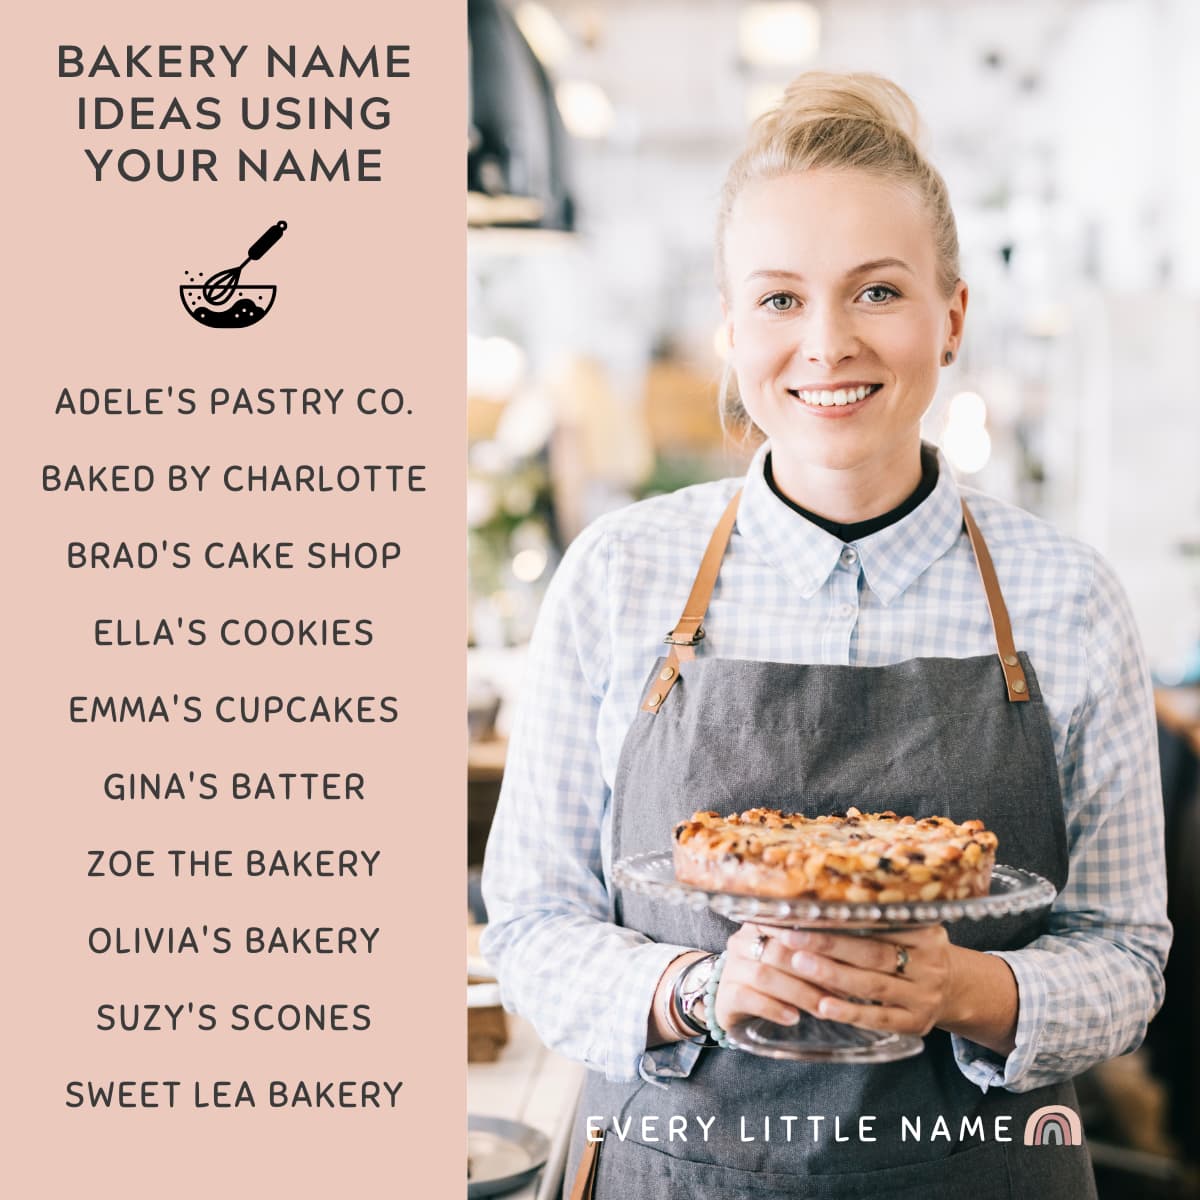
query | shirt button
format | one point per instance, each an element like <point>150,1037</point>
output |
<point>846,610</point>
<point>849,556</point>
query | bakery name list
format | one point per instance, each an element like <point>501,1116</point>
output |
<point>241,632</point>
<point>297,94</point>
<point>250,630</point>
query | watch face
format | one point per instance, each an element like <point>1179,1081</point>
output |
<point>696,977</point>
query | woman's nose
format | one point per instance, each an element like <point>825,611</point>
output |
<point>827,336</point>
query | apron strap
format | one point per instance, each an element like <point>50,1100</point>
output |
<point>1014,676</point>
<point>585,1178</point>
<point>690,627</point>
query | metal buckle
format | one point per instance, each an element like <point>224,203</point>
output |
<point>672,640</point>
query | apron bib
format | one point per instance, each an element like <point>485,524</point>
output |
<point>962,738</point>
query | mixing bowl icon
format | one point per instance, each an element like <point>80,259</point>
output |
<point>247,306</point>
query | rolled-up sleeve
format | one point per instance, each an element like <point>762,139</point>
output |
<point>584,982</point>
<point>1090,984</point>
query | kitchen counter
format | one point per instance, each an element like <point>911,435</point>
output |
<point>531,1084</point>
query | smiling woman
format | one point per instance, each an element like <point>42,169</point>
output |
<point>837,262</point>
<point>857,630</point>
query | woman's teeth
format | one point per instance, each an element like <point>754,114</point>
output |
<point>824,398</point>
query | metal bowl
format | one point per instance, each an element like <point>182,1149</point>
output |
<point>503,1155</point>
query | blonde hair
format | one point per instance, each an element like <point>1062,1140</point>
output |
<point>858,122</point>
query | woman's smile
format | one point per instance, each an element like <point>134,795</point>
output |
<point>835,400</point>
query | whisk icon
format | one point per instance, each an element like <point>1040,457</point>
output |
<point>221,286</point>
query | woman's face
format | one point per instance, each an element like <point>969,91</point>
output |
<point>836,321</point>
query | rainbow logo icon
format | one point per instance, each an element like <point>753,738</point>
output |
<point>1053,1125</point>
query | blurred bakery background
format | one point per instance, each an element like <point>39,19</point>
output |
<point>1069,134</point>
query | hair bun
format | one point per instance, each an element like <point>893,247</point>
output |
<point>851,122</point>
<point>822,96</point>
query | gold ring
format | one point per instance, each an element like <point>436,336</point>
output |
<point>901,960</point>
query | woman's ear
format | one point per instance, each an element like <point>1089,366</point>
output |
<point>958,315</point>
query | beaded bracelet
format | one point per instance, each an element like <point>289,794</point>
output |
<point>710,1006</point>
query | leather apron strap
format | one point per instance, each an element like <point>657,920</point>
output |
<point>585,1178</point>
<point>689,629</point>
<point>1014,676</point>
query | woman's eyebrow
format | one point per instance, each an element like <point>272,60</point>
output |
<point>876,264</point>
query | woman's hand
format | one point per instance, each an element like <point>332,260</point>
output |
<point>912,1001</point>
<point>816,972</point>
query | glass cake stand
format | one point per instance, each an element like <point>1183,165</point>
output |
<point>1013,891</point>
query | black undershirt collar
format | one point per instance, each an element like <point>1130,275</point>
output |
<point>860,529</point>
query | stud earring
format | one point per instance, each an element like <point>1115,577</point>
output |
<point>948,357</point>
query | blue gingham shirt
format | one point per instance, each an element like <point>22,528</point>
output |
<point>790,592</point>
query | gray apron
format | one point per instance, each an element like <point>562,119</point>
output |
<point>964,738</point>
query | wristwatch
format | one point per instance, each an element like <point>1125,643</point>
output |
<point>688,993</point>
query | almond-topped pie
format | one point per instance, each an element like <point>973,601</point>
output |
<point>857,858</point>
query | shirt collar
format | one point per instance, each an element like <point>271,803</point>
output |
<point>891,559</point>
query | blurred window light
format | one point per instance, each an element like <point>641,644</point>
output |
<point>490,458</point>
<point>967,408</point>
<point>528,565</point>
<point>967,446</point>
<point>778,33</point>
<point>494,366</point>
<point>481,503</point>
<point>546,37</point>
<point>526,425</point>
<point>1048,320</point>
<point>586,110</point>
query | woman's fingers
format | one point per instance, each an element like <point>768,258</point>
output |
<point>872,954</point>
<point>759,984</point>
<point>738,1002</point>
<point>778,985</point>
<point>838,961</point>
<point>846,980</point>
<point>872,1016</point>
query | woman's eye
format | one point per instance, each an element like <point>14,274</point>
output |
<point>780,302</point>
<point>880,293</point>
